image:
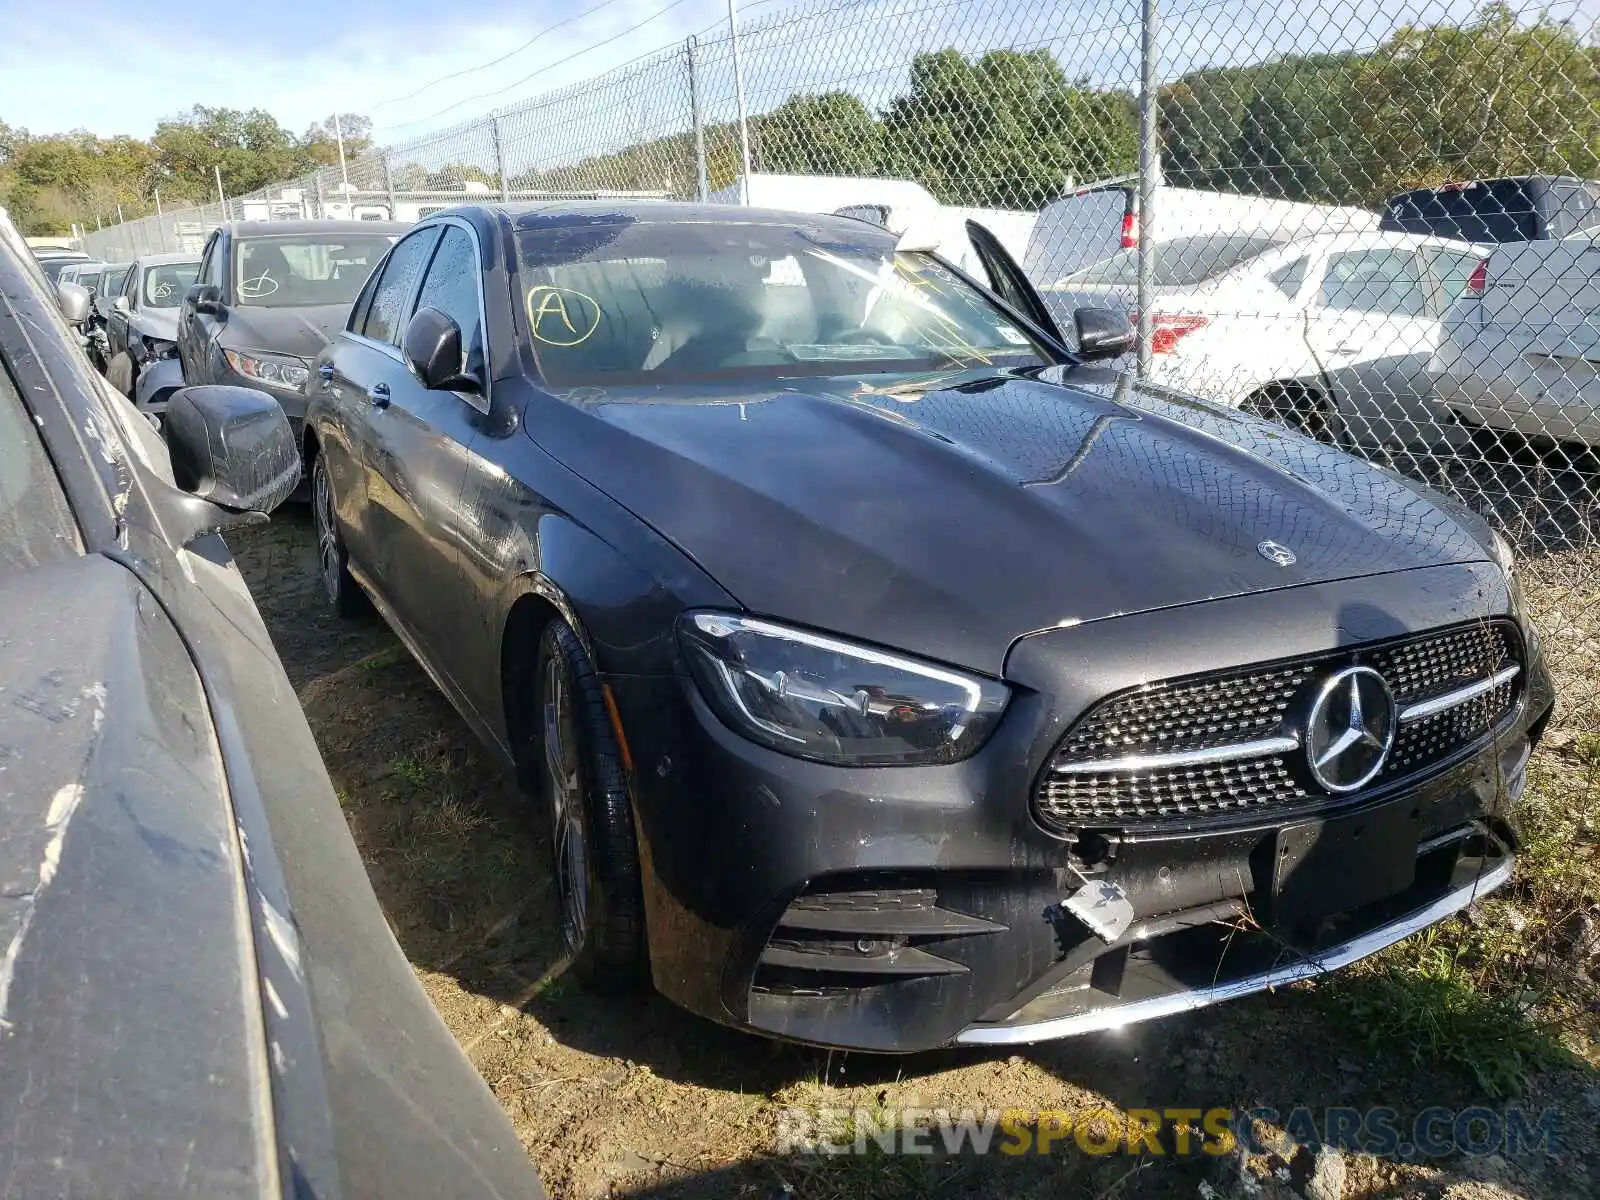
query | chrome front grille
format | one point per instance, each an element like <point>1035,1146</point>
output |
<point>1229,743</point>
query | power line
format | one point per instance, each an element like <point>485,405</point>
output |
<point>659,13</point>
<point>494,62</point>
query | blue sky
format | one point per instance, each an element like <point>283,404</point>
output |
<point>119,66</point>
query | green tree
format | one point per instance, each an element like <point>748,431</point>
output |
<point>1008,130</point>
<point>828,134</point>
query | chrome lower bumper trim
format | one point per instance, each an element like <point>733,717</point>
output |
<point>1115,1016</point>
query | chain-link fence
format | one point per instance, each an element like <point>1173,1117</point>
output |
<point>1373,221</point>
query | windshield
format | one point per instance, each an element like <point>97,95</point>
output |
<point>1180,262</point>
<point>111,281</point>
<point>54,266</point>
<point>165,285</point>
<point>88,277</point>
<point>668,302</point>
<point>286,272</point>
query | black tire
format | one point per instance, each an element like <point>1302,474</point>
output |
<point>584,787</point>
<point>344,594</point>
<point>1301,409</point>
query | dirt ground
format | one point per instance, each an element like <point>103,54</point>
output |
<point>633,1097</point>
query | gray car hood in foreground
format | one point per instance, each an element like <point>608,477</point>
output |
<point>952,522</point>
<point>302,332</point>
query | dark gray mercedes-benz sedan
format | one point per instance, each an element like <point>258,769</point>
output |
<point>892,675</point>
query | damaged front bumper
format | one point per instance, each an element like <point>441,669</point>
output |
<point>908,908</point>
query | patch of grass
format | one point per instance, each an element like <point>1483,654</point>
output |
<point>381,660</point>
<point>413,770</point>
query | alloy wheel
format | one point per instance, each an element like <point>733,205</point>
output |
<point>568,827</point>
<point>329,557</point>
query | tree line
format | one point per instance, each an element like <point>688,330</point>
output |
<point>49,182</point>
<point>1430,104</point>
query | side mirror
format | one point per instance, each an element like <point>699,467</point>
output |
<point>73,300</point>
<point>205,298</point>
<point>432,350</point>
<point>1103,333</point>
<point>233,447</point>
<point>120,304</point>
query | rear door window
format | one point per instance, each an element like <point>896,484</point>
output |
<point>1374,281</point>
<point>1290,277</point>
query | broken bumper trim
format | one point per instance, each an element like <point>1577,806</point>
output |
<point>1117,1016</point>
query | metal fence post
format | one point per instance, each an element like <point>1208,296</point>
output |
<point>388,184</point>
<point>1149,177</point>
<point>744,116</point>
<point>316,188</point>
<point>702,185</point>
<point>499,155</point>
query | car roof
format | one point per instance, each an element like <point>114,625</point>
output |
<point>539,214</point>
<point>244,229</point>
<point>161,260</point>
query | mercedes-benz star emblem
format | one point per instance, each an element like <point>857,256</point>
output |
<point>1351,729</point>
<point>1275,552</point>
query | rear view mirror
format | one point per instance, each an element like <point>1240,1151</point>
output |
<point>1103,333</point>
<point>433,353</point>
<point>206,298</point>
<point>233,447</point>
<point>73,300</point>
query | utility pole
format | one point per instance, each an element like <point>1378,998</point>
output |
<point>744,116</point>
<point>344,174</point>
<point>120,221</point>
<point>158,202</point>
<point>222,201</point>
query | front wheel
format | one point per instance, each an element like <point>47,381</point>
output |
<point>591,820</point>
<point>344,593</point>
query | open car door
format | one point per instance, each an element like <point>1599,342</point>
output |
<point>1006,280</point>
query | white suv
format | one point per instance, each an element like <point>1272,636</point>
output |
<point>1520,351</point>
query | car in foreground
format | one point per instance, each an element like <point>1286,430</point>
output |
<point>198,991</point>
<point>890,676</point>
<point>269,295</point>
<point>1520,351</point>
<point>1330,334</point>
<point>141,348</point>
<point>1515,208</point>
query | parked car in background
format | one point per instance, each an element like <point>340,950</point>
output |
<point>142,329</point>
<point>1331,334</point>
<point>53,258</point>
<point>869,650</point>
<point>102,303</point>
<point>1093,223</point>
<point>201,997</point>
<point>269,295</point>
<point>1513,209</point>
<point>1520,350</point>
<point>85,274</point>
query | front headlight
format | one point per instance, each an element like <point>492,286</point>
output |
<point>819,698</point>
<point>275,370</point>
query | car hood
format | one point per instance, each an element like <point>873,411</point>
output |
<point>302,332</point>
<point>157,323</point>
<point>953,521</point>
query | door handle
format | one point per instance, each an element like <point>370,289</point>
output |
<point>325,374</point>
<point>378,393</point>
